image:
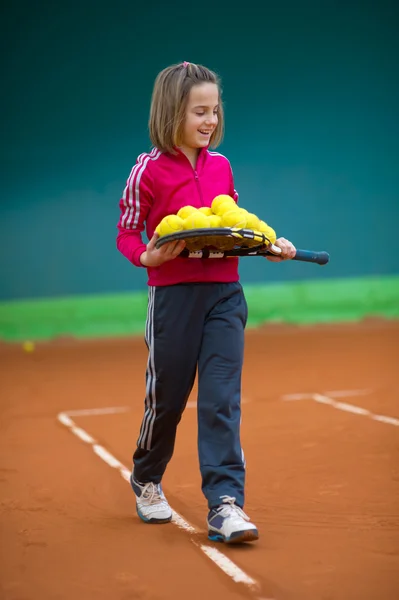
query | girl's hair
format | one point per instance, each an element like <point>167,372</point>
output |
<point>169,102</point>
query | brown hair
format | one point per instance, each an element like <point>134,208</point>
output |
<point>169,102</point>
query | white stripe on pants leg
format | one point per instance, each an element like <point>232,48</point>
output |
<point>150,400</point>
<point>149,372</point>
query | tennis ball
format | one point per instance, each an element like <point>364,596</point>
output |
<point>252,221</point>
<point>215,221</point>
<point>197,220</point>
<point>234,218</point>
<point>185,211</point>
<point>170,224</point>
<point>225,207</point>
<point>221,199</point>
<point>267,231</point>
<point>206,210</point>
<point>28,346</point>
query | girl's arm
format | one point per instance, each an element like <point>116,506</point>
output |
<point>134,205</point>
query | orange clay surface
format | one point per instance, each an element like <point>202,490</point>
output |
<point>322,482</point>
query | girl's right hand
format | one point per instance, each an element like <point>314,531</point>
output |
<point>154,258</point>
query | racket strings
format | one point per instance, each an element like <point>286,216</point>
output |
<point>216,242</point>
<point>231,241</point>
<point>222,240</point>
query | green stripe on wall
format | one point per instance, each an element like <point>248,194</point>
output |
<point>124,314</point>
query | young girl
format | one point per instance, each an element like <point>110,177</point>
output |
<point>196,309</point>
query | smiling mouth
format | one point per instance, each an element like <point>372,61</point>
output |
<point>205,132</point>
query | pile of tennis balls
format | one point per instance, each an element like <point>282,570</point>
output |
<point>223,212</point>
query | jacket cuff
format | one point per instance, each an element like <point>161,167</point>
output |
<point>136,255</point>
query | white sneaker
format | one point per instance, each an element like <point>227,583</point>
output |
<point>228,523</point>
<point>151,504</point>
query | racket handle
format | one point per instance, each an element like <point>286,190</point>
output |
<point>321,258</point>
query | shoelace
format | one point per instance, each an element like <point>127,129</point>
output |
<point>152,493</point>
<point>230,509</point>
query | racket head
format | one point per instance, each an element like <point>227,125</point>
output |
<point>217,238</point>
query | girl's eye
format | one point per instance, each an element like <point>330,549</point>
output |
<point>201,114</point>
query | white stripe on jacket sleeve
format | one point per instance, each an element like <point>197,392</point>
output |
<point>131,193</point>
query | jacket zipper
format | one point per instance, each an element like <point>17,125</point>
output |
<point>199,187</point>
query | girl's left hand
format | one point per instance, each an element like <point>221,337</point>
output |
<point>288,250</point>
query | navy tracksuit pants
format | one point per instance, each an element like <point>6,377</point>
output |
<point>189,327</point>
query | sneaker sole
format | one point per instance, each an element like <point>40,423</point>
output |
<point>153,520</point>
<point>248,535</point>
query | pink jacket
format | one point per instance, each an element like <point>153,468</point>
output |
<point>160,184</point>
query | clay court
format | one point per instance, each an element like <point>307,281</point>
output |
<point>320,433</point>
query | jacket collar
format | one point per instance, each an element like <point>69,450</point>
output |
<point>202,156</point>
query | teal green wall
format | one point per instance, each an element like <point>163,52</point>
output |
<point>311,93</point>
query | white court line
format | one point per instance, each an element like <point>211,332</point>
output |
<point>346,393</point>
<point>217,557</point>
<point>331,394</point>
<point>344,406</point>
<point>109,410</point>
<point>289,397</point>
<point>357,410</point>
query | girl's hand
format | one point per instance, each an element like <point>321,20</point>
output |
<point>288,250</point>
<point>154,258</point>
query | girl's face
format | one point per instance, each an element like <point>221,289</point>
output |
<point>201,116</point>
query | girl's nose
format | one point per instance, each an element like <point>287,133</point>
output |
<point>213,119</point>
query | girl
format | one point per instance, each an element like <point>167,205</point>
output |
<point>189,299</point>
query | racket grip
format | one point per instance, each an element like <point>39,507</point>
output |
<point>321,258</point>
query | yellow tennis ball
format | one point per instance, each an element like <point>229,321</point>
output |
<point>267,231</point>
<point>252,221</point>
<point>170,224</point>
<point>185,211</point>
<point>28,346</point>
<point>197,220</point>
<point>234,218</point>
<point>224,207</point>
<point>215,221</point>
<point>221,199</point>
<point>206,210</point>
<point>262,225</point>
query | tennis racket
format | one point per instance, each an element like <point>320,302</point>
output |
<point>224,242</point>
